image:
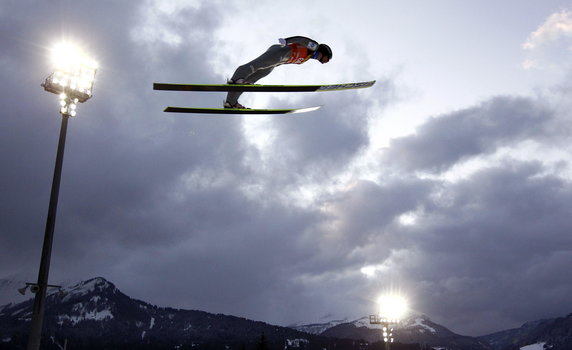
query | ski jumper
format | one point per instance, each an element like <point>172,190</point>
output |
<point>292,50</point>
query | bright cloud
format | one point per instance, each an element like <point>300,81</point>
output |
<point>556,27</point>
<point>371,271</point>
<point>549,47</point>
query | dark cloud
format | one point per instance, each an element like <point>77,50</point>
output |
<point>147,195</point>
<point>124,157</point>
<point>331,136</point>
<point>314,148</point>
<point>481,248</point>
<point>446,140</point>
<point>486,250</point>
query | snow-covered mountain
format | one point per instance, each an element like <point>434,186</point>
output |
<point>417,329</point>
<point>317,328</point>
<point>94,314</point>
<point>553,334</point>
<point>421,322</point>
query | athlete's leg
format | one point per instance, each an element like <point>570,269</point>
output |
<point>232,96</point>
<point>271,58</point>
<point>258,68</point>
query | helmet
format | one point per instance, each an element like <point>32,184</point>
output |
<point>325,50</point>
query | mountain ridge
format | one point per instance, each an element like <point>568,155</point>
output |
<point>555,332</point>
<point>95,314</point>
<point>414,329</point>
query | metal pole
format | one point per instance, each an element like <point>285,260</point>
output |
<point>386,325</point>
<point>35,336</point>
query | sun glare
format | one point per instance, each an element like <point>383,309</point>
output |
<point>67,56</point>
<point>392,307</point>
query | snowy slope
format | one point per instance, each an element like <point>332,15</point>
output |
<point>537,346</point>
<point>317,328</point>
<point>9,292</point>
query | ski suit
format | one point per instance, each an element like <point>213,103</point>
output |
<point>292,50</point>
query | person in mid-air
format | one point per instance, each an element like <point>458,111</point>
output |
<point>293,50</point>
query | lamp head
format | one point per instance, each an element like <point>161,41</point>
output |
<point>73,77</point>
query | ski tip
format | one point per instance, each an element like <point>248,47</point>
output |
<point>304,110</point>
<point>347,86</point>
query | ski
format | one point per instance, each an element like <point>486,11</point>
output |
<point>261,88</point>
<point>238,111</point>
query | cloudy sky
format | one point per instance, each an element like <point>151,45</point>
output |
<point>449,181</point>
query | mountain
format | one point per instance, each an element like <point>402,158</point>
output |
<point>9,291</point>
<point>317,328</point>
<point>417,329</point>
<point>555,334</point>
<point>95,315</point>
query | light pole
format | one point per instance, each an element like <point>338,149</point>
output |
<point>387,330</point>
<point>391,309</point>
<point>73,82</point>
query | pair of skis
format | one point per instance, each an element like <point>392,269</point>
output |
<point>253,88</point>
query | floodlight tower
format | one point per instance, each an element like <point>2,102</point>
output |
<point>72,80</point>
<point>391,309</point>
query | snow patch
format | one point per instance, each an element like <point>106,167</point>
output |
<point>19,311</point>
<point>101,315</point>
<point>77,307</point>
<point>152,323</point>
<point>318,328</point>
<point>419,322</point>
<point>85,287</point>
<point>95,315</point>
<point>296,343</point>
<point>537,346</point>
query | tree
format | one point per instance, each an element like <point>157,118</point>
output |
<point>262,343</point>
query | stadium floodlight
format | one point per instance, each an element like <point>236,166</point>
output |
<point>73,77</point>
<point>391,309</point>
<point>72,80</point>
